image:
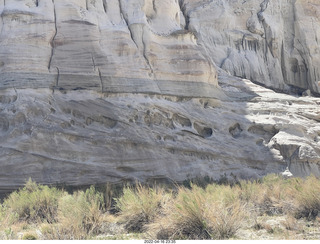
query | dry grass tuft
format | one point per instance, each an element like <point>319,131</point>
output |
<point>275,206</point>
<point>29,236</point>
<point>199,214</point>
<point>272,195</point>
<point>33,203</point>
<point>140,205</point>
<point>290,223</point>
<point>307,198</point>
<point>80,215</point>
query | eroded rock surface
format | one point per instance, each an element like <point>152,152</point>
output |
<point>95,91</point>
<point>86,137</point>
<point>108,46</point>
<point>274,43</point>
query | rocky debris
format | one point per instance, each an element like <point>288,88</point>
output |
<point>287,173</point>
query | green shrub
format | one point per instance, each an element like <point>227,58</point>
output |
<point>29,236</point>
<point>8,234</point>
<point>32,203</point>
<point>140,205</point>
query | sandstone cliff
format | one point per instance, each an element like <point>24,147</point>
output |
<point>109,46</point>
<point>274,43</point>
<point>109,90</point>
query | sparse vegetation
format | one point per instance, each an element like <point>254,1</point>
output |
<point>33,203</point>
<point>140,205</point>
<point>196,213</point>
<point>80,214</point>
<point>268,208</point>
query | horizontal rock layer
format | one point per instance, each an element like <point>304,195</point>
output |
<point>108,46</point>
<point>83,137</point>
<point>274,43</point>
<point>110,90</point>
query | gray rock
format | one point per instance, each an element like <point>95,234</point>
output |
<point>111,91</point>
<point>108,46</point>
<point>274,43</point>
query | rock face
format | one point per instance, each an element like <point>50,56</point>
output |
<point>274,43</point>
<point>109,46</point>
<point>110,90</point>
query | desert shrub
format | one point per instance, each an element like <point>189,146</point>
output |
<point>196,213</point>
<point>290,223</point>
<point>32,203</point>
<point>307,198</point>
<point>272,195</point>
<point>2,213</point>
<point>110,193</point>
<point>8,234</point>
<point>294,196</point>
<point>226,211</point>
<point>58,232</point>
<point>251,191</point>
<point>29,236</point>
<point>140,205</point>
<point>79,215</point>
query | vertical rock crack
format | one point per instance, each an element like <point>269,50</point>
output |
<point>105,5</point>
<point>54,36</point>
<point>127,23</point>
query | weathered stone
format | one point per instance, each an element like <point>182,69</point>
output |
<point>108,46</point>
<point>95,91</point>
<point>274,43</point>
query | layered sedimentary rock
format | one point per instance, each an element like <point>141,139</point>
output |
<point>110,46</point>
<point>95,91</point>
<point>117,43</point>
<point>85,137</point>
<point>274,43</point>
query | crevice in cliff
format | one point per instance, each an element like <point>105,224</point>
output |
<point>131,35</point>
<point>54,36</point>
<point>58,77</point>
<point>101,82</point>
<point>303,71</point>
<point>93,63</point>
<point>37,3</point>
<point>154,6</point>
<point>2,25</point>
<point>105,5</point>
<point>144,49</point>
<point>146,57</point>
<point>124,17</point>
<point>95,69</point>
<point>56,85</point>
<point>315,31</point>
<point>185,14</point>
<point>264,6</point>
<point>283,63</point>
